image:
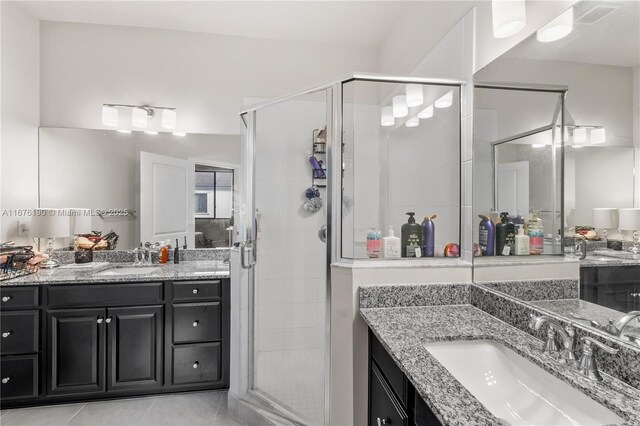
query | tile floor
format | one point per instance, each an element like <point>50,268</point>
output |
<point>188,409</point>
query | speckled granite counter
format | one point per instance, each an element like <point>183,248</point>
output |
<point>403,331</point>
<point>597,259</point>
<point>169,271</point>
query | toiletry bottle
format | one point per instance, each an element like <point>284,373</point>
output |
<point>535,231</point>
<point>505,236</point>
<point>164,254</point>
<point>411,236</point>
<point>185,243</point>
<point>522,243</point>
<point>487,235</point>
<point>391,246</point>
<point>176,253</point>
<point>374,243</point>
<point>428,236</point>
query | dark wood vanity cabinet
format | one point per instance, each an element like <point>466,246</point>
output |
<point>102,340</point>
<point>392,398</point>
<point>616,287</point>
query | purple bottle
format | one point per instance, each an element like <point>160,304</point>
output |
<point>428,236</point>
<point>487,236</point>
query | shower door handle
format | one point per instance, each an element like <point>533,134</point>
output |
<point>243,254</point>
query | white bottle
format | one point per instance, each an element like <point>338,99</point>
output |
<point>522,242</point>
<point>391,246</point>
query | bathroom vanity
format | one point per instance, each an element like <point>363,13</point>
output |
<point>79,336</point>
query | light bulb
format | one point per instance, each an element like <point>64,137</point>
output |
<point>109,116</point>
<point>579,136</point>
<point>598,136</point>
<point>412,122</point>
<point>139,118</point>
<point>414,95</point>
<point>426,113</point>
<point>386,116</point>
<point>169,119</point>
<point>400,108</point>
<point>446,101</point>
<point>558,28</point>
<point>509,17</point>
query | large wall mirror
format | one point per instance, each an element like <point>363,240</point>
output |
<point>577,163</point>
<point>144,187</point>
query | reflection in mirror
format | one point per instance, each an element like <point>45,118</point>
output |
<point>599,64</point>
<point>143,187</point>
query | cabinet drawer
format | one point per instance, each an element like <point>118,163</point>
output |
<point>19,377</point>
<point>197,363</point>
<point>395,377</point>
<point>19,332</point>
<point>197,322</point>
<point>384,407</point>
<point>185,291</point>
<point>104,295</point>
<point>18,297</point>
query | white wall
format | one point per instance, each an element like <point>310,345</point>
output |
<point>20,117</point>
<point>205,76</point>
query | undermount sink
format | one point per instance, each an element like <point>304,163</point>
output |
<point>128,270</point>
<point>516,390</point>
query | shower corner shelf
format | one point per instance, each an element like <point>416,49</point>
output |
<point>319,149</point>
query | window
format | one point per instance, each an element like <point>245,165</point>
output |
<point>214,194</point>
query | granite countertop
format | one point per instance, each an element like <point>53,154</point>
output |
<point>168,271</point>
<point>489,261</point>
<point>599,259</point>
<point>409,263</point>
<point>403,331</point>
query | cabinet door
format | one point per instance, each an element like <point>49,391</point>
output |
<point>135,347</point>
<point>76,350</point>
<point>384,407</point>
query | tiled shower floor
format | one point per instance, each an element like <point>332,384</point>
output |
<point>197,408</point>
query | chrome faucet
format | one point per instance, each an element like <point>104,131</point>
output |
<point>587,365</point>
<point>582,245</point>
<point>147,251</point>
<point>613,327</point>
<point>567,337</point>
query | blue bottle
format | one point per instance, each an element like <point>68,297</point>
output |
<point>487,236</point>
<point>428,236</point>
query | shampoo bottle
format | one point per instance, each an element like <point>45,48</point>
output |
<point>374,241</point>
<point>522,243</point>
<point>487,235</point>
<point>505,236</point>
<point>391,246</point>
<point>428,236</point>
<point>411,236</point>
<point>176,253</point>
<point>535,231</point>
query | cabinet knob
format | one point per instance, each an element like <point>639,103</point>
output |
<point>5,380</point>
<point>382,421</point>
<point>195,323</point>
<point>196,364</point>
<point>99,321</point>
<point>6,334</point>
<point>195,291</point>
<point>6,298</point>
<point>108,320</point>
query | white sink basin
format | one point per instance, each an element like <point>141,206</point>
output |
<point>128,270</point>
<point>516,390</point>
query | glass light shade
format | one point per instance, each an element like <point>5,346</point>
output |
<point>558,28</point>
<point>446,101</point>
<point>169,119</point>
<point>426,113</point>
<point>386,116</point>
<point>579,136</point>
<point>400,108</point>
<point>50,223</point>
<point>412,122</point>
<point>139,118</point>
<point>414,95</point>
<point>598,136</point>
<point>509,17</point>
<point>605,218</point>
<point>629,219</point>
<point>109,116</point>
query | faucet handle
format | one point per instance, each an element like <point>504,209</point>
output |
<point>590,340</point>
<point>587,365</point>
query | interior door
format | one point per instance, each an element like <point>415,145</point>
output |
<point>512,187</point>
<point>167,191</point>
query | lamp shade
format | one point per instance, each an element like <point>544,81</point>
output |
<point>139,118</point>
<point>509,17</point>
<point>426,113</point>
<point>630,219</point>
<point>558,28</point>
<point>81,221</point>
<point>400,108</point>
<point>169,118</point>
<point>414,95</point>
<point>605,218</point>
<point>386,116</point>
<point>445,101</point>
<point>50,223</point>
<point>109,116</point>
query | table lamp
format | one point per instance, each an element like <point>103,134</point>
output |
<point>605,219</point>
<point>630,221</point>
<point>51,224</point>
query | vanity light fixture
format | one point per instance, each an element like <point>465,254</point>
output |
<point>412,122</point>
<point>140,115</point>
<point>426,113</point>
<point>386,116</point>
<point>446,101</point>
<point>414,95</point>
<point>558,28</point>
<point>109,116</point>
<point>139,118</point>
<point>400,108</point>
<point>509,17</point>
<point>598,136</point>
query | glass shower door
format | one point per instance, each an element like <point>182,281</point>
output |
<point>288,283</point>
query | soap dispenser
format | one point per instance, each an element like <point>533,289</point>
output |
<point>522,243</point>
<point>428,236</point>
<point>391,246</point>
<point>411,237</point>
